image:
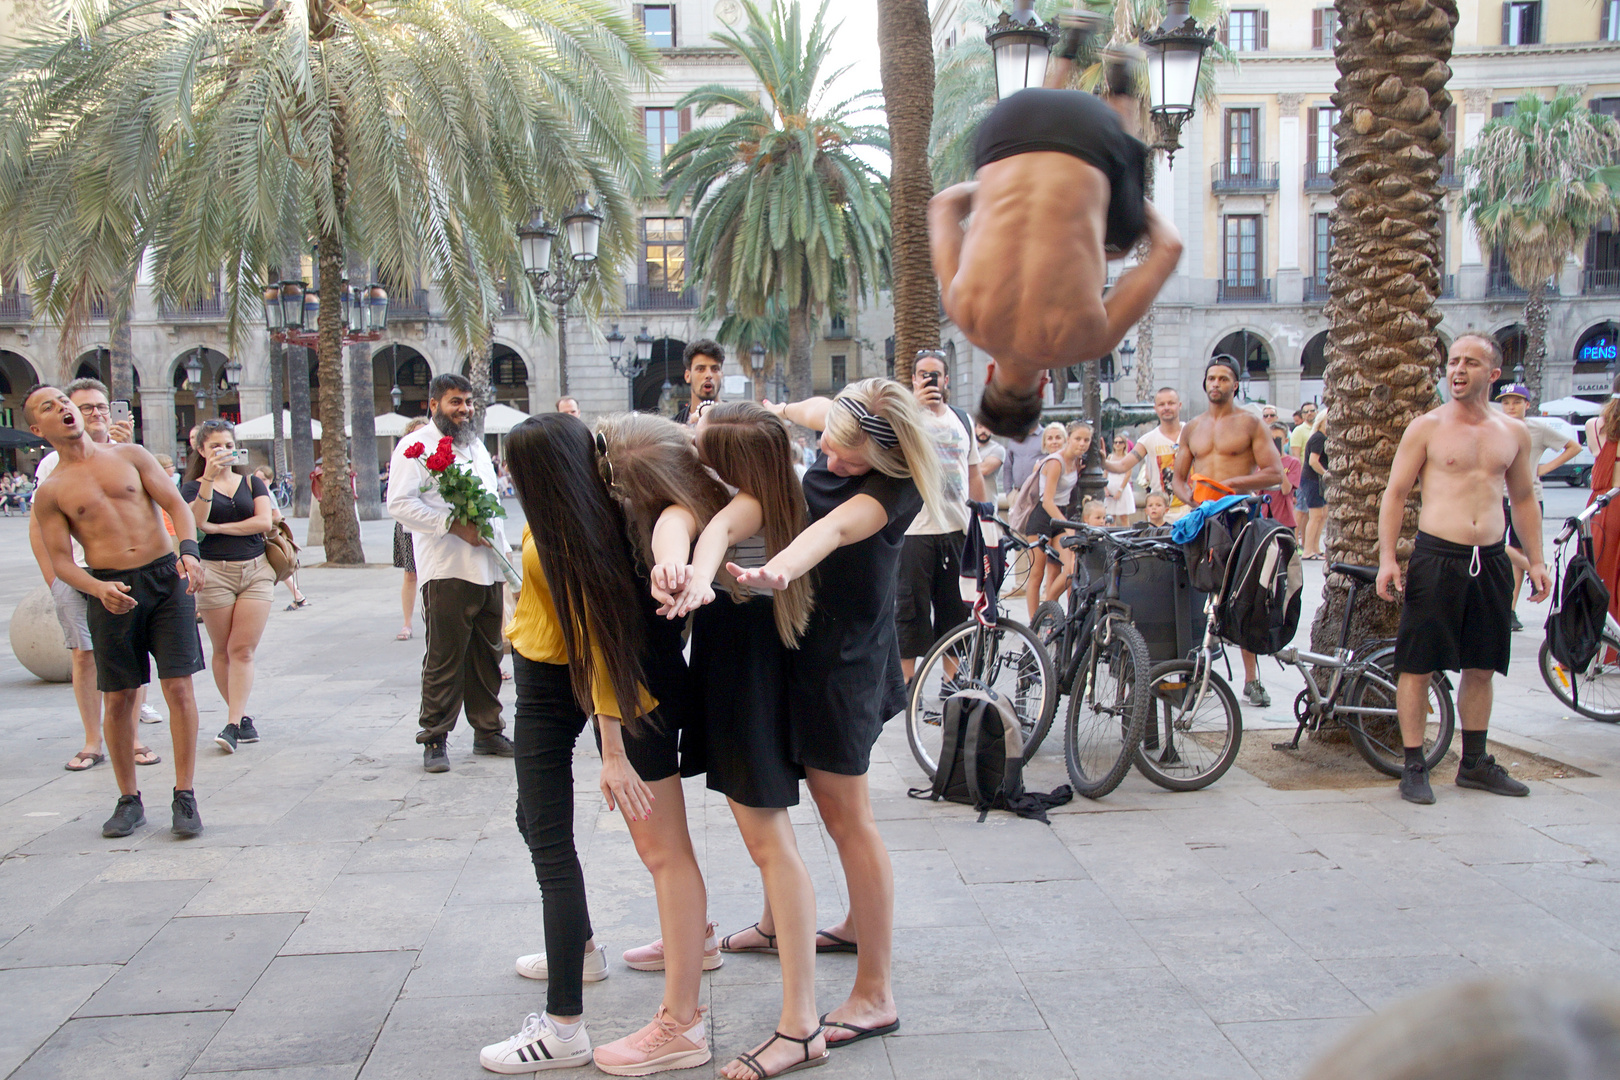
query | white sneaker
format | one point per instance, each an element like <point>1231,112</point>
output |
<point>534,966</point>
<point>537,1047</point>
<point>150,715</point>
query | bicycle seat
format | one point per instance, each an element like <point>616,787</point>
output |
<point>1367,575</point>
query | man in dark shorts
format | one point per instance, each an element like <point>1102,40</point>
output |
<point>107,497</point>
<point>1457,604</point>
<point>1057,194</point>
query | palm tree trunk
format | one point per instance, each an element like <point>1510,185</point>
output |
<point>1383,354</point>
<point>1535,339</point>
<point>906,40</point>
<point>363,418</point>
<point>278,394</point>
<point>1144,356</point>
<point>301,439</point>
<point>480,374</point>
<point>800,381</point>
<point>122,349</point>
<point>342,528</point>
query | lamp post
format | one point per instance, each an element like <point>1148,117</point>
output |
<point>1022,46</point>
<point>630,368</point>
<point>396,395</point>
<point>1175,54</point>
<point>560,283</point>
<point>756,362</point>
<point>207,389</point>
<point>291,309</point>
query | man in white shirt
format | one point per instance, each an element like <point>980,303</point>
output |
<point>991,456</point>
<point>928,594</point>
<point>1515,401</point>
<point>461,580</point>
<point>1158,449</point>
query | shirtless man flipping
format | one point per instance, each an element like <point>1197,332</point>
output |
<point>1233,448</point>
<point>1457,604</point>
<point>1059,191</point>
<point>103,496</point>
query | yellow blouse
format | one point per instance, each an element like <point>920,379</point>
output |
<point>536,633</point>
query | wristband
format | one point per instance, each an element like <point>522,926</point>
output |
<point>189,547</point>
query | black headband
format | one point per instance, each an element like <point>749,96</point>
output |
<point>876,427</point>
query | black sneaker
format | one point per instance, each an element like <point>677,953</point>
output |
<point>496,745</point>
<point>435,758</point>
<point>228,738</point>
<point>245,731</point>
<point>1487,775</point>
<point>1514,624</point>
<point>128,816</point>
<point>1415,785</point>
<point>187,822</point>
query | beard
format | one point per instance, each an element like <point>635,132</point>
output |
<point>460,434</point>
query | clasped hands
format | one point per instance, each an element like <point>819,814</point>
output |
<point>681,590</point>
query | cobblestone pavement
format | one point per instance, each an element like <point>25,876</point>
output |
<point>347,915</point>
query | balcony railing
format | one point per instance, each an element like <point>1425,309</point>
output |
<point>1448,286</point>
<point>1316,290</point>
<point>202,307</point>
<point>1243,176</point>
<point>99,310</point>
<point>1601,280</point>
<point>16,307</point>
<point>1318,175</point>
<point>1229,292</point>
<point>1450,175</point>
<point>1500,283</point>
<point>409,306</point>
<point>658,298</point>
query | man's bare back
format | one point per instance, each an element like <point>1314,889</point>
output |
<point>103,501</point>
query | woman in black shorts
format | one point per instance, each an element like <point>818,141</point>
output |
<point>585,640</point>
<point>1311,478</point>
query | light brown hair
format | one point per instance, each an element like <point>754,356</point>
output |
<point>654,466</point>
<point>917,456</point>
<point>750,450</point>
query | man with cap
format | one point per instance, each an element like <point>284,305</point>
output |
<point>1515,401</point>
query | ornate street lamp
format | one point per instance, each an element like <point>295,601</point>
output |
<point>630,369</point>
<point>1175,53</point>
<point>1127,353</point>
<point>1022,45</point>
<point>397,396</point>
<point>756,361</point>
<point>292,310</point>
<point>560,284</point>
<point>644,344</point>
<point>194,370</point>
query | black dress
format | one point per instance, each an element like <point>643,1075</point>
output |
<point>845,680</point>
<point>668,741</point>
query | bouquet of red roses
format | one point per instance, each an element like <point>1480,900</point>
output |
<point>470,502</point>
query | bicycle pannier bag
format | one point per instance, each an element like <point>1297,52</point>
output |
<point>981,759</point>
<point>1260,599</point>
<point>1208,552</point>
<point>1580,607</point>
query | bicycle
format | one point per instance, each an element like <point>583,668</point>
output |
<point>1005,658</point>
<point>1594,693</point>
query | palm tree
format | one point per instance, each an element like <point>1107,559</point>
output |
<point>1383,353</point>
<point>907,44</point>
<point>417,133</point>
<point>782,206</point>
<point>1540,178</point>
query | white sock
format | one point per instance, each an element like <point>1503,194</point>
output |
<point>564,1031</point>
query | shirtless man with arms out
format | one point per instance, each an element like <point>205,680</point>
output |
<point>103,496</point>
<point>1058,192</point>
<point>1232,447</point>
<point>1457,600</point>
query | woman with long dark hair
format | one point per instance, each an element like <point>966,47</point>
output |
<point>581,648</point>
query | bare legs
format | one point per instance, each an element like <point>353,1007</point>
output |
<point>118,727</point>
<point>1313,530</point>
<point>1035,583</point>
<point>407,602</point>
<point>235,632</point>
<point>665,847</point>
<point>88,698</point>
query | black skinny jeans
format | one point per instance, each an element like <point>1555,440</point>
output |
<point>546,724</point>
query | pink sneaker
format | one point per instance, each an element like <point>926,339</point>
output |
<point>651,957</point>
<point>659,1047</point>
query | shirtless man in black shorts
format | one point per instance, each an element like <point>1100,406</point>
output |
<point>1457,603</point>
<point>1058,193</point>
<point>107,498</point>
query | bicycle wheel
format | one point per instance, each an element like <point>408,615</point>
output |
<point>1005,658</point>
<point>1193,731</point>
<point>1048,620</point>
<point>1378,738</point>
<point>1596,694</point>
<point>1108,706</point>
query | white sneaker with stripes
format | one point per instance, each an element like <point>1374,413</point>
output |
<point>536,1047</point>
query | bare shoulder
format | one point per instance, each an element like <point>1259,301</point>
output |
<point>1422,428</point>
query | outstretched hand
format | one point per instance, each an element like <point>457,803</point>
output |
<point>775,408</point>
<point>762,577</point>
<point>696,594</point>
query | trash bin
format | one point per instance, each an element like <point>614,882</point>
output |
<point>1165,607</point>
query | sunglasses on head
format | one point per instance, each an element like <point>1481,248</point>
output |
<point>604,464</point>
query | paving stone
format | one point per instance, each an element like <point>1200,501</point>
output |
<point>195,965</point>
<point>373,912</point>
<point>1164,880</point>
<point>1067,926</point>
<point>470,952</point>
<point>995,1055</point>
<point>157,1047</point>
<point>460,1027</point>
<point>101,923</point>
<point>1007,848</point>
<point>287,877</point>
<point>1382,981</point>
<point>957,979</point>
<point>1284,1049</point>
<point>38,1001</point>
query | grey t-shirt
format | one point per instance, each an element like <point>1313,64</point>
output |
<point>1543,437</point>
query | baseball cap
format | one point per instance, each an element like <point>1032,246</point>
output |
<point>1514,390</point>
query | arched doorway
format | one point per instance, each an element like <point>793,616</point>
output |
<point>1312,371</point>
<point>509,374</point>
<point>404,367</point>
<point>662,386</point>
<point>213,397</point>
<point>1597,351</point>
<point>1511,340</point>
<point>97,364</point>
<point>1254,358</point>
<point>17,376</point>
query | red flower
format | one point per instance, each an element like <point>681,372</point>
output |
<point>415,450</point>
<point>440,460</point>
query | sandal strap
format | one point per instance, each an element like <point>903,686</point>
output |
<point>751,1058</point>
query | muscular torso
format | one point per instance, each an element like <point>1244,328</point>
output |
<point>1018,284</point>
<point>107,510</point>
<point>1221,447</point>
<point>1464,476</point>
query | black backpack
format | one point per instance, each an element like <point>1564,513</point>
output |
<point>1209,551</point>
<point>1260,598</point>
<point>1580,608</point>
<point>981,759</point>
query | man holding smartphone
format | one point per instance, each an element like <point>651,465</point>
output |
<point>928,595</point>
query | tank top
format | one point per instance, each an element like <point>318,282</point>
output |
<point>1065,484</point>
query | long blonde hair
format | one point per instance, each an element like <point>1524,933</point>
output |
<point>653,466</point>
<point>916,457</point>
<point>750,450</point>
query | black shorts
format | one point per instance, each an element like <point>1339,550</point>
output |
<point>1457,610</point>
<point>928,591</point>
<point>1310,492</point>
<point>1078,124</point>
<point>1512,533</point>
<point>162,624</point>
<point>1040,523</point>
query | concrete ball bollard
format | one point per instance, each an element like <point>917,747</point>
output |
<point>36,638</point>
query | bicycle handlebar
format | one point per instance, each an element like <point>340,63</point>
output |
<point>1571,524</point>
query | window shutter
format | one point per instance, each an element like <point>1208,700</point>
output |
<point>686,120</point>
<point>1316,28</point>
<point>1313,117</point>
<point>1507,24</point>
<point>674,38</point>
<point>1603,21</point>
<point>1263,38</point>
<point>1225,39</point>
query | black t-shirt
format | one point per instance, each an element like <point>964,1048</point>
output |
<point>218,547</point>
<point>857,581</point>
<point>1316,444</point>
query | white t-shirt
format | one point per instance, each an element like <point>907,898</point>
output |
<point>958,451</point>
<point>1159,454</point>
<point>42,472</point>
<point>993,451</point>
<point>1543,437</point>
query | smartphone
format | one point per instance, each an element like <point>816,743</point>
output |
<point>931,378</point>
<point>240,456</point>
<point>120,411</point>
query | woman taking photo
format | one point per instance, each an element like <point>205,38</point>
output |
<point>233,512</point>
<point>582,645</point>
<point>1058,472</point>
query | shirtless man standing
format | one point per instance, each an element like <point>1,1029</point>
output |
<point>1059,191</point>
<point>103,496</point>
<point>1457,603</point>
<point>1232,447</point>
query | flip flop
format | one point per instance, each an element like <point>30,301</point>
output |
<point>769,947</point>
<point>860,1032</point>
<point>151,758</point>
<point>838,943</point>
<point>82,761</point>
